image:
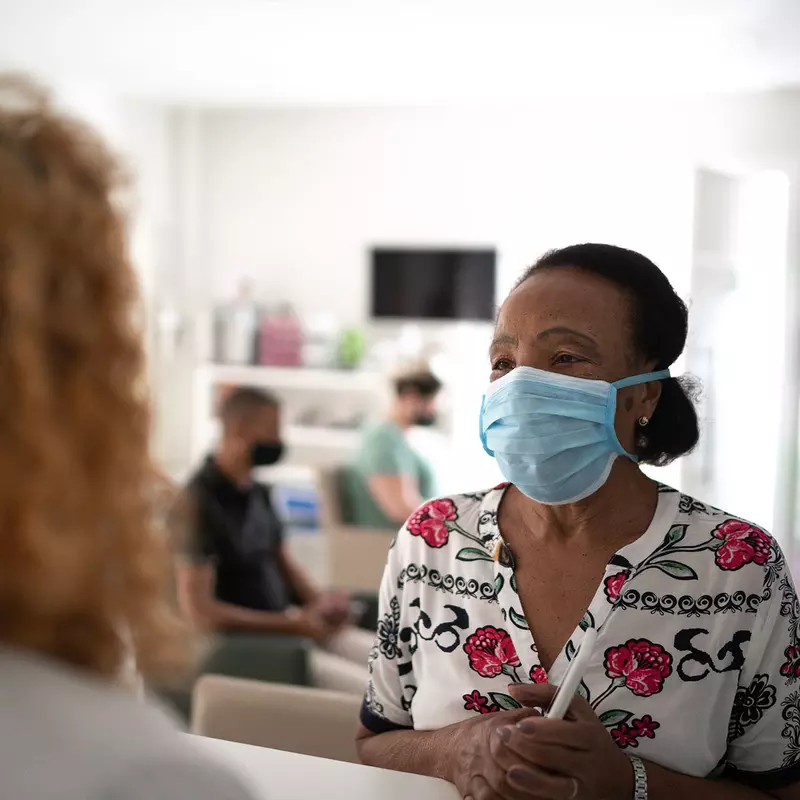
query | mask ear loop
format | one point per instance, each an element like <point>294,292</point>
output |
<point>611,430</point>
<point>611,406</point>
<point>480,429</point>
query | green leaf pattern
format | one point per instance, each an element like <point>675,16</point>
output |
<point>676,569</point>
<point>614,717</point>
<point>473,554</point>
<point>499,582</point>
<point>518,620</point>
<point>505,702</point>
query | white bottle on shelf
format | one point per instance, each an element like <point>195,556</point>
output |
<point>319,345</point>
<point>237,328</point>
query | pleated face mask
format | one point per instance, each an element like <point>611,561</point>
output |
<point>553,435</point>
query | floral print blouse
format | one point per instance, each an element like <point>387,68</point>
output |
<point>697,663</point>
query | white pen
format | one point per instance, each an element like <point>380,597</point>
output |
<point>572,680</point>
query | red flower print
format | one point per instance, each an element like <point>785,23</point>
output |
<point>741,544</point>
<point>627,735</point>
<point>624,736</point>
<point>646,726</point>
<point>640,665</point>
<point>480,703</point>
<point>491,652</point>
<point>791,669</point>
<point>538,675</point>
<point>430,522</point>
<point>613,584</point>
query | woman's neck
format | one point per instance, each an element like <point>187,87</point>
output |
<point>619,512</point>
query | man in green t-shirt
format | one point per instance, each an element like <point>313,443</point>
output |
<point>389,479</point>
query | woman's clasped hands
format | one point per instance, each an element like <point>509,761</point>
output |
<point>519,754</point>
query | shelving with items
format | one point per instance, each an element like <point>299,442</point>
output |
<point>323,410</point>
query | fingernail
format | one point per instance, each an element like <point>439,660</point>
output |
<point>504,733</point>
<point>523,777</point>
<point>527,725</point>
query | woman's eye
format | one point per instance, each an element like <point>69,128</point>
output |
<point>567,358</point>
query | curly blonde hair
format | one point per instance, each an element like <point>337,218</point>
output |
<point>85,573</point>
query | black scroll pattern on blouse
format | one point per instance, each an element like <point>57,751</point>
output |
<point>790,711</point>
<point>446,635</point>
<point>446,583</point>
<point>688,505</point>
<point>688,606</point>
<point>790,609</point>
<point>487,526</point>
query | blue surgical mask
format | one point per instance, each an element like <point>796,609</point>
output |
<point>553,435</point>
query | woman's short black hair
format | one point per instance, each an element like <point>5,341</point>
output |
<point>660,325</point>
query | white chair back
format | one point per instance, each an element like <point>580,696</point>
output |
<point>313,722</point>
<point>356,555</point>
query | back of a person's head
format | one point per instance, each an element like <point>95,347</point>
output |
<point>419,382</point>
<point>84,573</point>
<point>242,402</point>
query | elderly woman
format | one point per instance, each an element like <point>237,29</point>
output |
<point>693,687</point>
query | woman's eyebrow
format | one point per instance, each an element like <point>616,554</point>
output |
<point>503,339</point>
<point>568,332</point>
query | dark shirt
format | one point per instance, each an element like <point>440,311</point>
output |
<point>238,531</point>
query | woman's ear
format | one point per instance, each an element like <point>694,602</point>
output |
<point>652,394</point>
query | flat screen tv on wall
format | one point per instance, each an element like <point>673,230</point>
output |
<point>437,284</point>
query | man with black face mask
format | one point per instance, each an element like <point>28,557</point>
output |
<point>389,479</point>
<point>239,575</point>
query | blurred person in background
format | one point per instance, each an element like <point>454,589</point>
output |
<point>389,479</point>
<point>85,578</point>
<point>692,689</point>
<point>239,573</point>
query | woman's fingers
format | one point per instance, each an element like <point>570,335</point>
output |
<point>540,695</point>
<point>555,732</point>
<point>543,785</point>
<point>533,695</point>
<point>533,757</point>
<point>580,709</point>
<point>494,784</point>
<point>479,789</point>
<point>545,769</point>
<point>551,758</point>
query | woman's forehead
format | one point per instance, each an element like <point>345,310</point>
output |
<point>565,297</point>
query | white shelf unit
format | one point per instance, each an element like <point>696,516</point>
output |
<point>320,436</point>
<point>324,390</point>
<point>278,378</point>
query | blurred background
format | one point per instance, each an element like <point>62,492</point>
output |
<point>309,173</point>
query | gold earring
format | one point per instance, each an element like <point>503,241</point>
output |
<point>644,421</point>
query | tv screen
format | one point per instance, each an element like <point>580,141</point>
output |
<point>433,284</point>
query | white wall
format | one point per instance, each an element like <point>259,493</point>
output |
<point>138,132</point>
<point>145,147</point>
<point>142,134</point>
<point>739,347</point>
<point>295,198</point>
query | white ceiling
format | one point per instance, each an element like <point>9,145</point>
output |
<point>403,51</point>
